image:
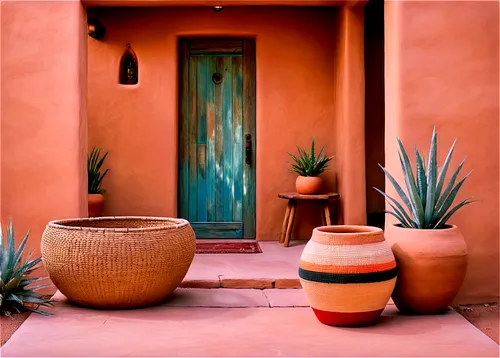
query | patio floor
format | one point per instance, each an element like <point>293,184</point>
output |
<point>275,267</point>
<point>238,322</point>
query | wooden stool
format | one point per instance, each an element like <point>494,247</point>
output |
<point>286,228</point>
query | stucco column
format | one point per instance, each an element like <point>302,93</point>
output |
<point>441,70</point>
<point>349,118</point>
<point>43,116</point>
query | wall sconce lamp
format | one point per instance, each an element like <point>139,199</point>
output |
<point>217,8</point>
<point>96,29</point>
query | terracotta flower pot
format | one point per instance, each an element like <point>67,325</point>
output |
<point>96,203</point>
<point>308,185</point>
<point>431,267</point>
<point>348,274</point>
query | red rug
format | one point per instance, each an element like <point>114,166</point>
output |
<point>228,248</point>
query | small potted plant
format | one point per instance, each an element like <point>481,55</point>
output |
<point>431,254</point>
<point>94,164</point>
<point>309,167</point>
<point>18,289</point>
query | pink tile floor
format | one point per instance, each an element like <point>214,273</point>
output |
<point>242,322</point>
<point>239,323</point>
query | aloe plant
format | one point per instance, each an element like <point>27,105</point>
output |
<point>427,205</point>
<point>16,290</point>
<point>94,164</point>
<point>309,165</point>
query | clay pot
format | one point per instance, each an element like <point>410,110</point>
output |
<point>308,185</point>
<point>96,203</point>
<point>348,273</point>
<point>431,266</point>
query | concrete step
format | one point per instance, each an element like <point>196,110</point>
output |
<point>276,267</point>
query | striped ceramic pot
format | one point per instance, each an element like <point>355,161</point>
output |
<point>348,274</point>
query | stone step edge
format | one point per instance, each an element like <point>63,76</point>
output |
<point>244,283</point>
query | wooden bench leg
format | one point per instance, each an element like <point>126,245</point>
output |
<point>290,223</point>
<point>285,221</point>
<point>327,213</point>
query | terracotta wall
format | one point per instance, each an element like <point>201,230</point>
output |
<point>349,115</point>
<point>442,69</point>
<point>296,56</point>
<point>43,126</point>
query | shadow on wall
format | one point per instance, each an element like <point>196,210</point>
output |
<point>374,111</point>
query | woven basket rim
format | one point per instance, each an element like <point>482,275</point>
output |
<point>60,224</point>
<point>348,230</point>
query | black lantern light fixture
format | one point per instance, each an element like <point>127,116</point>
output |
<point>95,28</point>
<point>217,8</point>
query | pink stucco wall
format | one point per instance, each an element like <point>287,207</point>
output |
<point>296,78</point>
<point>442,69</point>
<point>43,124</point>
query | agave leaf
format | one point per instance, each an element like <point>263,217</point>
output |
<point>442,174</point>
<point>443,221</point>
<point>12,297</point>
<point>398,188</point>
<point>38,287</point>
<point>399,209</point>
<point>421,177</point>
<point>400,219</point>
<point>449,187</point>
<point>411,187</point>
<point>8,260</point>
<point>449,200</point>
<point>431,179</point>
<point>25,268</point>
<point>20,250</point>
<point>43,313</point>
<point>13,283</point>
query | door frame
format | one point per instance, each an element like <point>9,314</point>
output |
<point>188,46</point>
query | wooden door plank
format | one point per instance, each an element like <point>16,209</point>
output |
<point>238,148</point>
<point>193,155</point>
<point>227,97</point>
<point>219,146</point>
<point>249,128</point>
<point>201,107</point>
<point>210,158</point>
<point>229,230</point>
<point>183,211</point>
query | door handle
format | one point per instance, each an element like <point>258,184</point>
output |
<point>248,149</point>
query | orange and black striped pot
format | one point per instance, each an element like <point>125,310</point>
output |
<point>348,274</point>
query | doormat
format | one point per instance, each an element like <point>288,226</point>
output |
<point>228,248</point>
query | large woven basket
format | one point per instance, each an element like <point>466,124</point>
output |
<point>118,262</point>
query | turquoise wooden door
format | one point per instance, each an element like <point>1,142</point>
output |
<point>213,155</point>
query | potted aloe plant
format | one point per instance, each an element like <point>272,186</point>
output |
<point>95,177</point>
<point>18,289</point>
<point>431,254</point>
<point>309,166</point>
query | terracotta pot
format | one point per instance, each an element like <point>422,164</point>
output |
<point>308,185</point>
<point>431,266</point>
<point>348,274</point>
<point>96,203</point>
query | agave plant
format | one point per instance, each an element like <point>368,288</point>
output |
<point>16,290</point>
<point>309,165</point>
<point>428,205</point>
<point>94,164</point>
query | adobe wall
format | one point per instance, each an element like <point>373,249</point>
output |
<point>298,61</point>
<point>442,70</point>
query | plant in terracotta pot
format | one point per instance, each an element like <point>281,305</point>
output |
<point>309,166</point>
<point>431,254</point>
<point>94,164</point>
